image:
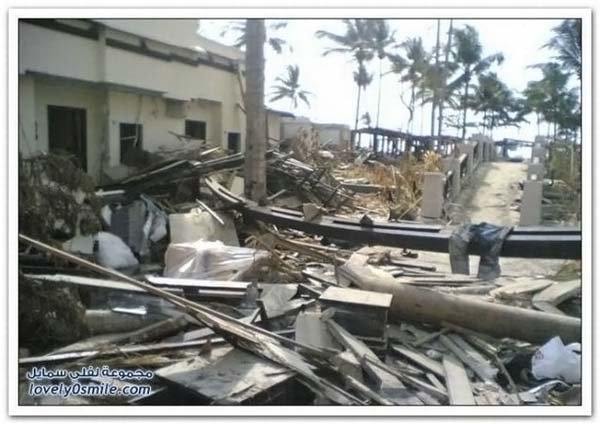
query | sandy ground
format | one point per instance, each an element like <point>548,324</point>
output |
<point>490,197</point>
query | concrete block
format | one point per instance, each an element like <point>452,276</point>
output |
<point>531,203</point>
<point>536,171</point>
<point>433,195</point>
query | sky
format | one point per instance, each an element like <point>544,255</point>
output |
<point>330,78</point>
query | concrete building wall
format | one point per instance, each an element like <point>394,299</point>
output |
<point>151,113</point>
<point>56,53</point>
<point>35,95</point>
<point>116,85</point>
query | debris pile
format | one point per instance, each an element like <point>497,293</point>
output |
<point>183,288</point>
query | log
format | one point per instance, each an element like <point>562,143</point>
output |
<point>427,306</point>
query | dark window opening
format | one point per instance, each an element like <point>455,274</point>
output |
<point>233,142</point>
<point>67,133</point>
<point>131,137</point>
<point>195,129</point>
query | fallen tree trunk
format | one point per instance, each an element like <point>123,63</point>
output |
<point>427,306</point>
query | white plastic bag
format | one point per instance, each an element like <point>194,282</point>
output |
<point>113,252</point>
<point>555,360</point>
<point>209,260</point>
<point>200,225</point>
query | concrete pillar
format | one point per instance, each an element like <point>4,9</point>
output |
<point>468,150</point>
<point>531,203</point>
<point>433,195</point>
<point>536,169</point>
<point>538,154</point>
<point>447,164</point>
<point>455,178</point>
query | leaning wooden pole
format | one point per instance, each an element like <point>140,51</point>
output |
<point>427,306</point>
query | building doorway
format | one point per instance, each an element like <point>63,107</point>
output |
<point>67,133</point>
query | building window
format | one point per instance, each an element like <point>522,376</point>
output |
<point>195,129</point>
<point>131,137</point>
<point>233,142</point>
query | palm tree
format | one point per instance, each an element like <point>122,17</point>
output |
<point>362,78</point>
<point>289,87</point>
<point>535,97</point>
<point>498,104</point>
<point>255,187</point>
<point>355,42</point>
<point>567,43</point>
<point>468,56</point>
<point>554,85</point>
<point>412,69</point>
<point>239,28</point>
<point>381,39</point>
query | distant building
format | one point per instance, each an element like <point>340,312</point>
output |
<point>98,88</point>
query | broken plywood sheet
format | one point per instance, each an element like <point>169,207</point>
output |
<point>312,331</point>
<point>235,378</point>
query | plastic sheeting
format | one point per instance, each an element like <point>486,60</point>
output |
<point>488,237</point>
<point>209,260</point>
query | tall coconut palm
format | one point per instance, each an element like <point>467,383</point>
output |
<point>535,97</point>
<point>381,39</point>
<point>412,67</point>
<point>355,42</point>
<point>567,44</point>
<point>289,88</point>
<point>362,78</point>
<point>255,186</point>
<point>239,29</point>
<point>498,104</point>
<point>468,56</point>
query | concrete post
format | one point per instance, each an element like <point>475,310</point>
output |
<point>455,178</point>
<point>536,169</point>
<point>531,203</point>
<point>433,195</point>
<point>468,150</point>
<point>540,140</point>
<point>538,154</point>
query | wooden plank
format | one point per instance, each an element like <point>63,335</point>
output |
<point>519,288</point>
<point>558,292</point>
<point>457,382</point>
<point>197,283</point>
<point>357,297</point>
<point>388,385</point>
<point>482,369</point>
<point>423,360</point>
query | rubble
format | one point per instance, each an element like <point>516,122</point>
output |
<point>228,308</point>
